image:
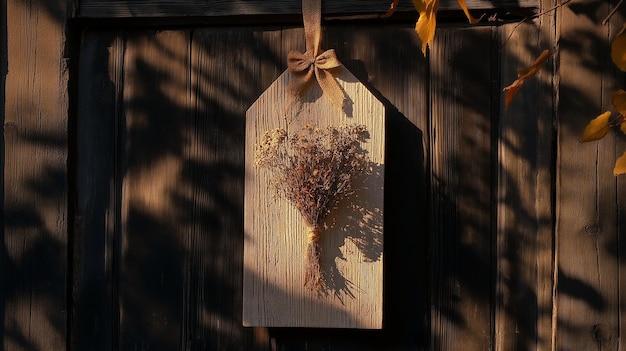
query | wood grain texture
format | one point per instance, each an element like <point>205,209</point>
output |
<point>351,248</point>
<point>220,8</point>
<point>400,79</point>
<point>34,241</point>
<point>98,187</point>
<point>224,84</point>
<point>175,149</point>
<point>524,238</point>
<point>588,300</point>
<point>152,236</point>
<point>546,187</point>
<point>461,155</point>
<point>440,116</point>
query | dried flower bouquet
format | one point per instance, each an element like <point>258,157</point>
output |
<point>314,169</point>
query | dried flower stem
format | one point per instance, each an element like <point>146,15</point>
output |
<point>314,169</point>
<point>314,276</point>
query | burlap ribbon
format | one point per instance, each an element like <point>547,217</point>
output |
<point>304,65</point>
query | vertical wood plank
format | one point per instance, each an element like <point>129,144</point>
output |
<point>617,245</point>
<point>156,100</point>
<point>462,269</point>
<point>3,79</point>
<point>34,111</point>
<point>546,187</point>
<point>226,80</point>
<point>176,140</point>
<point>524,215</point>
<point>96,311</point>
<point>272,58</point>
<point>588,274</point>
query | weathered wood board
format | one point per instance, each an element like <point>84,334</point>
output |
<point>462,237</point>
<point>524,236</point>
<point>588,224</point>
<point>34,102</point>
<point>493,240</point>
<point>217,8</point>
<point>275,233</point>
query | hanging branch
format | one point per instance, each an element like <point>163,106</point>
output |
<point>391,11</point>
<point>608,17</point>
<point>542,13</point>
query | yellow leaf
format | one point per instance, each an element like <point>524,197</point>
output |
<point>427,21</point>
<point>511,90</point>
<point>618,50</point>
<point>620,165</point>
<point>471,19</point>
<point>619,101</point>
<point>522,75</point>
<point>597,128</point>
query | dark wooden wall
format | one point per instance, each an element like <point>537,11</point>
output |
<point>161,204</point>
<point>160,179</point>
<point>123,177</point>
<point>34,246</point>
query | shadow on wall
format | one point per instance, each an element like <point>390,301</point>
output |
<point>32,257</point>
<point>178,196</point>
<point>32,252</point>
<point>159,222</point>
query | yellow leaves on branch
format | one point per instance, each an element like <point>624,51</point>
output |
<point>600,126</point>
<point>470,18</point>
<point>427,21</point>
<point>597,128</point>
<point>618,50</point>
<point>524,74</point>
<point>620,165</point>
<point>619,101</point>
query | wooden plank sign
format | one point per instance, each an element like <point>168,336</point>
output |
<point>351,242</point>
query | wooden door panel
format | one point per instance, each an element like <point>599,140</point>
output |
<point>589,223</point>
<point>155,146</point>
<point>461,120</point>
<point>161,216</point>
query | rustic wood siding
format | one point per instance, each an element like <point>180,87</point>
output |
<point>195,132</point>
<point>589,218</point>
<point>443,116</point>
<point>462,170</point>
<point>33,251</point>
<point>525,209</point>
<point>123,186</point>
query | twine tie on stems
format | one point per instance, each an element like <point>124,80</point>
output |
<point>312,235</point>
<point>303,66</point>
<point>313,276</point>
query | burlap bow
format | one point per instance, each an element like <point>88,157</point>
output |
<point>304,66</point>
